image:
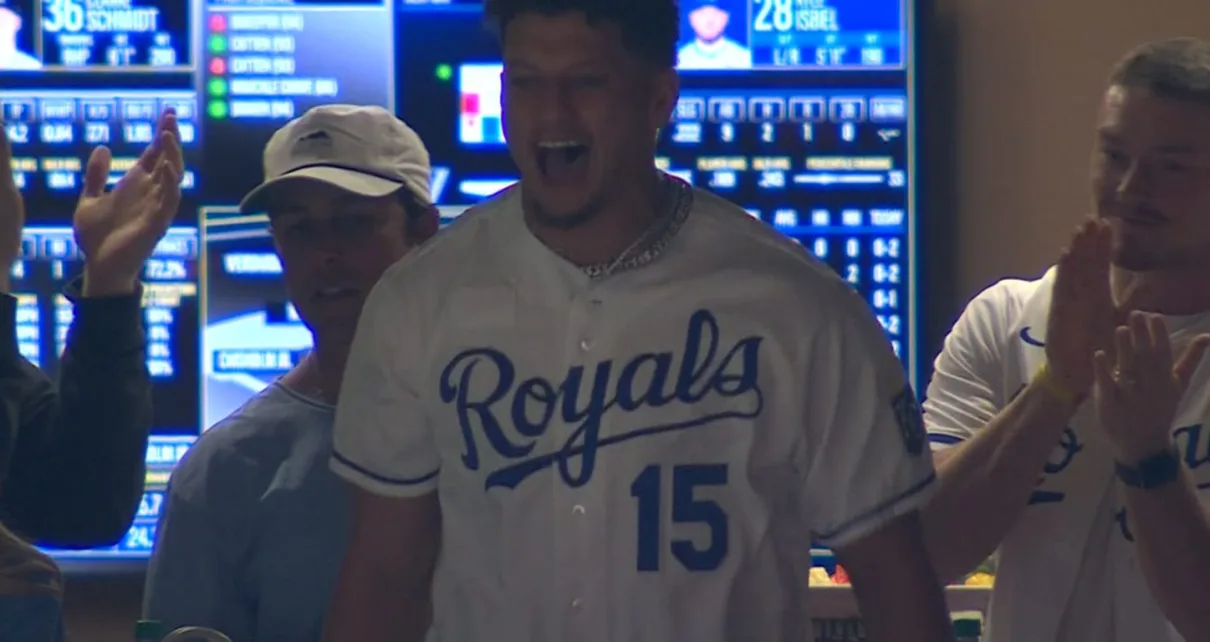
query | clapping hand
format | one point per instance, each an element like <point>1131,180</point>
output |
<point>12,212</point>
<point>118,230</point>
<point>1137,390</point>
<point>1081,317</point>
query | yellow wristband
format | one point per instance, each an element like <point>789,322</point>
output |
<point>1045,378</point>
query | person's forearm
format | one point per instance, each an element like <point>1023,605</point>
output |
<point>922,617</point>
<point>1172,538</point>
<point>985,483</point>
<point>106,409</point>
<point>26,396</point>
<point>917,612</point>
<point>99,284</point>
<point>77,477</point>
<point>378,612</point>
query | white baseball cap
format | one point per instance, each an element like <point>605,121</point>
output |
<point>364,150</point>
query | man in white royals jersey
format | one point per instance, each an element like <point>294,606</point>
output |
<point>620,407</point>
<point>1075,447</point>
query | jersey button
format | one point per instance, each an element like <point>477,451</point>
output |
<point>586,344</point>
<point>576,603</point>
<point>577,509</point>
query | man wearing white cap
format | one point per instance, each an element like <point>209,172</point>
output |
<point>253,526</point>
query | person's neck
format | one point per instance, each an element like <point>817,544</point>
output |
<point>612,230</point>
<point>1170,292</point>
<point>321,371</point>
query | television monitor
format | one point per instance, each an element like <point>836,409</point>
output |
<point>801,112</point>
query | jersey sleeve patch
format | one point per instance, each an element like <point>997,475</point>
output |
<point>910,421</point>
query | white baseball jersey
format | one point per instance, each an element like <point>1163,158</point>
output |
<point>1067,571</point>
<point>724,53</point>
<point>640,458</point>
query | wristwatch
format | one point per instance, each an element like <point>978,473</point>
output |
<point>1152,471</point>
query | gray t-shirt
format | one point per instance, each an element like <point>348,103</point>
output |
<point>253,525</point>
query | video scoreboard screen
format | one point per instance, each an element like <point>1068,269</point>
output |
<point>800,111</point>
<point>252,334</point>
<point>264,63</point>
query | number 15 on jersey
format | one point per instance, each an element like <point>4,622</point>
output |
<point>703,544</point>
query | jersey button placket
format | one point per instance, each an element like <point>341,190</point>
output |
<point>581,505</point>
<point>591,316</point>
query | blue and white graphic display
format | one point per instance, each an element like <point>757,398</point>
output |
<point>851,34</point>
<point>82,73</point>
<point>101,34</point>
<point>97,36</point>
<point>251,333</point>
<point>718,35</point>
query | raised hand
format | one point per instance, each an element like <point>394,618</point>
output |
<point>12,212</point>
<point>1082,313</point>
<point>1137,390</point>
<point>117,230</point>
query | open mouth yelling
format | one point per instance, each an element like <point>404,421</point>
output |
<point>563,161</point>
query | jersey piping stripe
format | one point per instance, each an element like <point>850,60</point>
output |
<point>347,463</point>
<point>944,439</point>
<point>881,508</point>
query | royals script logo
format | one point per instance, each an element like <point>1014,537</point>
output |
<point>711,382</point>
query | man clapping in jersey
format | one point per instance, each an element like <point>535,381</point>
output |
<point>1099,509</point>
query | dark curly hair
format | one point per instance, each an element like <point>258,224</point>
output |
<point>1178,68</point>
<point>650,28</point>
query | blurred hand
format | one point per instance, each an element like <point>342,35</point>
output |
<point>12,212</point>
<point>118,230</point>
<point>1138,390</point>
<point>1082,313</point>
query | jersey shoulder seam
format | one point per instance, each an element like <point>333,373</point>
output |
<point>727,216</point>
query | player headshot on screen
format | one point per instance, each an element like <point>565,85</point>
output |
<point>710,47</point>
<point>11,56</point>
<point>619,407</point>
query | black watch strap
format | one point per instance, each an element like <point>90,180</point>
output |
<point>1152,471</point>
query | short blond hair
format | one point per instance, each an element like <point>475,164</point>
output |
<point>1177,68</point>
